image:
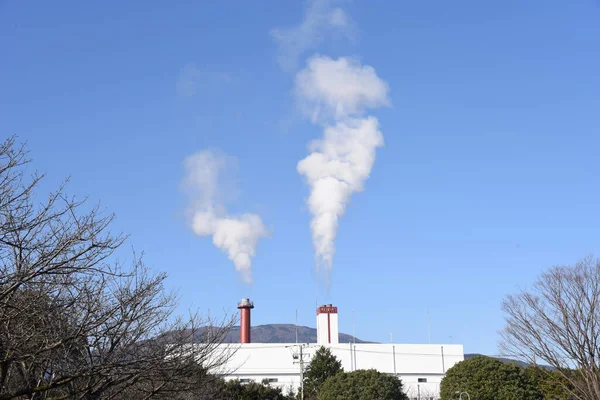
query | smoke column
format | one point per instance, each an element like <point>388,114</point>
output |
<point>336,93</point>
<point>322,20</point>
<point>235,235</point>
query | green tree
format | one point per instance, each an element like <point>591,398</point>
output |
<point>486,378</point>
<point>363,384</point>
<point>322,366</point>
<point>551,383</point>
<point>236,390</point>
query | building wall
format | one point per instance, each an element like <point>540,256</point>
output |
<point>333,320</point>
<point>322,328</point>
<point>410,362</point>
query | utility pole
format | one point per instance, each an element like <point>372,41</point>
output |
<point>299,358</point>
<point>209,326</point>
<point>301,374</point>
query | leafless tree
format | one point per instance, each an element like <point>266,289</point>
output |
<point>422,393</point>
<point>74,322</point>
<point>558,322</point>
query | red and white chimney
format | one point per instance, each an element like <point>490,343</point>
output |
<point>245,305</point>
<point>327,324</point>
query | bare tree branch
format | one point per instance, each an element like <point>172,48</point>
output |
<point>76,324</point>
<point>558,322</point>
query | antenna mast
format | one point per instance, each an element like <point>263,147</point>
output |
<point>353,333</point>
<point>428,328</point>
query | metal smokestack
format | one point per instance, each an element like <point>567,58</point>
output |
<point>245,305</point>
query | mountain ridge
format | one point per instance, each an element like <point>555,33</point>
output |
<point>283,333</point>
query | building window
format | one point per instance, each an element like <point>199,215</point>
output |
<point>245,380</point>
<point>272,380</point>
<point>422,380</point>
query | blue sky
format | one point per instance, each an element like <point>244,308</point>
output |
<point>488,176</point>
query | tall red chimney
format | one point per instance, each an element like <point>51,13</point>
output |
<point>245,306</point>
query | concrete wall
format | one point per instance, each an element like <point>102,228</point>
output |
<point>327,328</point>
<point>410,362</point>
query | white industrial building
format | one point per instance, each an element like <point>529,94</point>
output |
<point>421,367</point>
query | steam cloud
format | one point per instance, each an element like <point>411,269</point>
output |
<point>338,91</point>
<point>321,19</point>
<point>235,235</point>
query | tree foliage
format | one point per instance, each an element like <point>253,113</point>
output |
<point>322,366</point>
<point>74,322</point>
<point>558,322</point>
<point>551,384</point>
<point>236,390</point>
<point>362,385</point>
<point>486,378</point>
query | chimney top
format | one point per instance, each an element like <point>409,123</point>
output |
<point>327,309</point>
<point>245,303</point>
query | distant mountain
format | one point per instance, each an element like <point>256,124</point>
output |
<point>271,333</point>
<point>282,333</point>
<point>506,360</point>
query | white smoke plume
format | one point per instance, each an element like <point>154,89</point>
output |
<point>338,164</point>
<point>235,235</point>
<point>321,19</point>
